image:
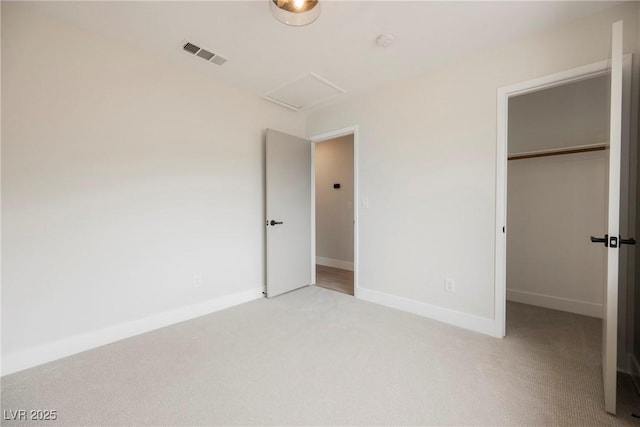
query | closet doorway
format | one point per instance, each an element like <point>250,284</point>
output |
<point>557,197</point>
<point>334,188</point>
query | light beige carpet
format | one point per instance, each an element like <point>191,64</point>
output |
<point>317,357</point>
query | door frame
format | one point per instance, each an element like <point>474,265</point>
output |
<point>504,93</point>
<point>350,130</point>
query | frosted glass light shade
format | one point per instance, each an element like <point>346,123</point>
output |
<point>295,12</point>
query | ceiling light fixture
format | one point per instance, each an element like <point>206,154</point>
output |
<point>295,12</point>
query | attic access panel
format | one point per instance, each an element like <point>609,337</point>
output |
<point>304,92</point>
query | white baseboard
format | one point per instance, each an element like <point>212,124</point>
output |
<point>34,356</point>
<point>556,303</point>
<point>457,318</point>
<point>335,263</point>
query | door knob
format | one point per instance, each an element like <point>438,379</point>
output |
<point>272,222</point>
<point>629,241</point>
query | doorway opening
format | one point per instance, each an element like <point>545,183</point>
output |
<point>521,160</point>
<point>558,155</point>
<point>334,209</point>
<point>557,175</point>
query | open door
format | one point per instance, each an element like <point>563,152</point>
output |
<point>613,240</point>
<point>288,222</point>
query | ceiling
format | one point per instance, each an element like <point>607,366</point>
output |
<point>340,47</point>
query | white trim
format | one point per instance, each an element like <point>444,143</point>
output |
<point>335,263</point>
<point>313,214</point>
<point>30,357</point>
<point>351,130</point>
<point>456,318</point>
<point>561,78</point>
<point>556,303</point>
<point>503,94</point>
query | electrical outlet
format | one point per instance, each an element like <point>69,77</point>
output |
<point>197,281</point>
<point>449,285</point>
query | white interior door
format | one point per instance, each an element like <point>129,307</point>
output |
<point>288,222</point>
<point>610,319</point>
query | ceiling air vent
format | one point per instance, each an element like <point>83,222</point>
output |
<point>191,48</point>
<point>218,60</point>
<point>203,53</point>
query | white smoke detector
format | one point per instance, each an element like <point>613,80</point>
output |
<point>385,40</point>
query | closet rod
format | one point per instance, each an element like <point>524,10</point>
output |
<point>556,153</point>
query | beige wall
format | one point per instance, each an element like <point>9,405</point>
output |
<point>554,205</point>
<point>334,208</point>
<point>427,164</point>
<point>123,177</point>
<point>564,116</point>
